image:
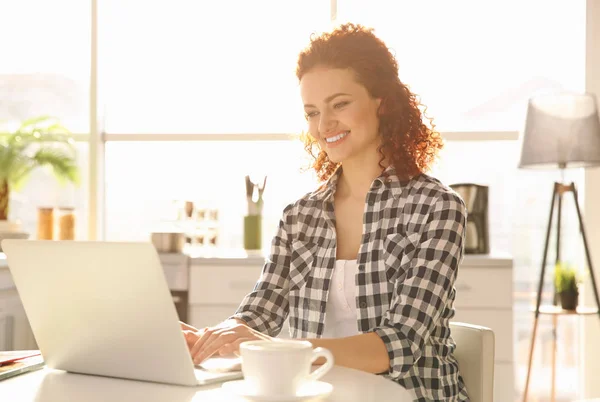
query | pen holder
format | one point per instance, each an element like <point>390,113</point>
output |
<point>253,232</point>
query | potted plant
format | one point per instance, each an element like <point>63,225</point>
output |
<point>37,142</point>
<point>566,281</point>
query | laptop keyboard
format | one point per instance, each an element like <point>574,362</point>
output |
<point>208,377</point>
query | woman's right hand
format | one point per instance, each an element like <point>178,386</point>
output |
<point>192,334</point>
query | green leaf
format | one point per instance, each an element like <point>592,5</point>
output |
<point>39,141</point>
<point>62,163</point>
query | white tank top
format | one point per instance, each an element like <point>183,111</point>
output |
<point>340,313</point>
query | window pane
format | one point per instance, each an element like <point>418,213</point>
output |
<point>43,190</point>
<point>45,64</point>
<point>141,195</point>
<point>204,66</point>
<point>475,63</point>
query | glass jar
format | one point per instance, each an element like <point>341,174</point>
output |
<point>66,223</point>
<point>45,224</point>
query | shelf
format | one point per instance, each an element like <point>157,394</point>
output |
<point>557,310</point>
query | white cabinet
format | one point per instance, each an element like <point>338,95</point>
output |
<point>217,287</point>
<point>484,296</point>
<point>176,267</point>
<point>15,332</point>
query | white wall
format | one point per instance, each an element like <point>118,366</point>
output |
<point>591,201</point>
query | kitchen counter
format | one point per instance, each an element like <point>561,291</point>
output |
<point>241,256</point>
<point>217,256</point>
<point>227,257</point>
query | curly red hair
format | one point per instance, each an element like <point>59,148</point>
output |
<point>407,142</point>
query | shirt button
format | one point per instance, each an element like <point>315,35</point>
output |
<point>367,236</point>
<point>363,304</point>
<point>340,287</point>
<point>371,202</point>
<point>361,267</point>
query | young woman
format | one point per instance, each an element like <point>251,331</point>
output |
<point>365,265</point>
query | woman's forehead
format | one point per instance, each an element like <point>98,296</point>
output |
<point>320,83</point>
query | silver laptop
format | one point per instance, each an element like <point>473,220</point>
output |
<point>104,308</point>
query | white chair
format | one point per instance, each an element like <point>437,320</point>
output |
<point>475,354</point>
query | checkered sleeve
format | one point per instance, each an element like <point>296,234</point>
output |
<point>266,307</point>
<point>422,291</point>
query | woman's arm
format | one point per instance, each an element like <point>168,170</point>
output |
<point>365,352</point>
<point>423,288</point>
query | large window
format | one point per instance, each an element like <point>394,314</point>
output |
<point>228,68</point>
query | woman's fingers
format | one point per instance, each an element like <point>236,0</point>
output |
<point>187,327</point>
<point>191,338</point>
<point>233,348</point>
<point>202,340</point>
<point>209,335</point>
<point>214,343</point>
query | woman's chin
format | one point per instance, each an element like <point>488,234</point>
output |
<point>335,158</point>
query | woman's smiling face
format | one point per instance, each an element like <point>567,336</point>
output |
<point>341,114</point>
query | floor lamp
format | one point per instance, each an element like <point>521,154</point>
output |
<point>561,131</point>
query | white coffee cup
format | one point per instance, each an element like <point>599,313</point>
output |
<point>281,367</point>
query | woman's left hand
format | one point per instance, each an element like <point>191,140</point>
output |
<point>224,339</point>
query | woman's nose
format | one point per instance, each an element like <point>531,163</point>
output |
<point>326,123</point>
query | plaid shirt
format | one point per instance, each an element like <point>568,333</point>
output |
<point>411,248</point>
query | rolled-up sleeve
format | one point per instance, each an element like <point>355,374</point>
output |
<point>266,307</point>
<point>422,292</point>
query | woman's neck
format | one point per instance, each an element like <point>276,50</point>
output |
<point>357,178</point>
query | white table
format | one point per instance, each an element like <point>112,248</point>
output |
<point>49,385</point>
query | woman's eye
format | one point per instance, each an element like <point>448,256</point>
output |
<point>340,105</point>
<point>308,115</point>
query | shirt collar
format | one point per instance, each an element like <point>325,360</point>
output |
<point>388,178</point>
<point>327,189</point>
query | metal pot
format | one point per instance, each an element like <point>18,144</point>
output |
<point>168,242</point>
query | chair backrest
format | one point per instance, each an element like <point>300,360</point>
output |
<point>475,355</point>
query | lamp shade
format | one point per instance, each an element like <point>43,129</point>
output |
<point>561,131</point>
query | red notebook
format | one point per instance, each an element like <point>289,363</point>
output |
<point>21,366</point>
<point>14,355</point>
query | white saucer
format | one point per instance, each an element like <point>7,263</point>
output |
<point>313,390</point>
